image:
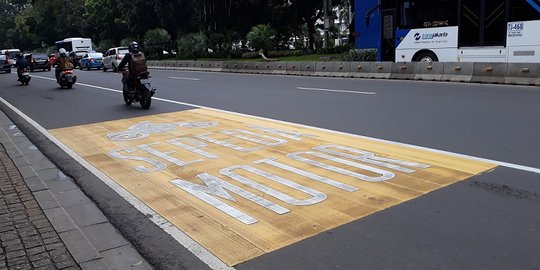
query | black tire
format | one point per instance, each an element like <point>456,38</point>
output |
<point>69,86</point>
<point>8,71</point>
<point>127,98</point>
<point>49,69</point>
<point>147,100</point>
<point>80,67</point>
<point>426,56</point>
<point>87,67</point>
<point>114,69</point>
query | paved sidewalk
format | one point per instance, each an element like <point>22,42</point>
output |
<point>46,221</point>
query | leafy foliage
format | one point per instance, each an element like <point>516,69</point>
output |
<point>192,45</point>
<point>360,55</point>
<point>37,24</point>
<point>261,37</point>
<point>156,40</point>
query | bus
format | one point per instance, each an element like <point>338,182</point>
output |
<point>75,44</point>
<point>506,31</point>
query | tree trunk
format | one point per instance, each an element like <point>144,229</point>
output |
<point>311,33</point>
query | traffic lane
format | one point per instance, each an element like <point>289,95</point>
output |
<point>489,121</point>
<point>490,221</point>
<point>296,166</point>
<point>52,107</point>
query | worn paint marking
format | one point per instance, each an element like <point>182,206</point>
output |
<point>242,187</point>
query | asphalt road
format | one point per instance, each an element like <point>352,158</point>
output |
<point>491,221</point>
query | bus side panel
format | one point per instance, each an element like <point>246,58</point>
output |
<point>443,41</point>
<point>84,44</point>
<point>523,42</point>
<point>369,37</point>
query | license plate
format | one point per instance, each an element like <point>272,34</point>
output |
<point>145,81</point>
<point>26,74</point>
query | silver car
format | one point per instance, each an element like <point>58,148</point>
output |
<point>113,57</point>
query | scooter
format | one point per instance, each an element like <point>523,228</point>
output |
<point>66,79</point>
<point>24,78</point>
<point>142,91</point>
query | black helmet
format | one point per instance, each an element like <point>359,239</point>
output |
<point>134,47</point>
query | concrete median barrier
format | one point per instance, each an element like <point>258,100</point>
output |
<point>429,71</point>
<point>403,71</point>
<point>341,69</point>
<point>279,68</point>
<point>457,72</point>
<point>380,70</point>
<point>301,68</point>
<point>260,67</point>
<point>489,72</point>
<point>523,73</point>
<point>231,66</point>
<point>323,69</point>
<point>360,69</point>
<point>514,73</point>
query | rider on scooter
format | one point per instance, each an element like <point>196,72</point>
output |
<point>21,64</point>
<point>62,63</point>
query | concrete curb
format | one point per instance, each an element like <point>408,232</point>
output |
<point>500,73</point>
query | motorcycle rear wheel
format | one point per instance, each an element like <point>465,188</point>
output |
<point>147,100</point>
<point>127,99</point>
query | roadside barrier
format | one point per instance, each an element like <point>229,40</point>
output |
<point>300,68</point>
<point>511,73</point>
<point>403,71</point>
<point>489,72</point>
<point>523,73</point>
<point>380,70</point>
<point>429,71</point>
<point>360,69</point>
<point>457,72</point>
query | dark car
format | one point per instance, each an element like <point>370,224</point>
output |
<point>39,61</point>
<point>4,64</point>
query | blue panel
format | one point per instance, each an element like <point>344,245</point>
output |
<point>369,37</point>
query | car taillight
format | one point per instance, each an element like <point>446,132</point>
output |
<point>118,56</point>
<point>91,59</point>
<point>68,71</point>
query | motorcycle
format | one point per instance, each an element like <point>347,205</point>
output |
<point>24,78</point>
<point>141,92</point>
<point>66,79</point>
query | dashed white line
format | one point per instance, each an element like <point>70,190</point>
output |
<point>333,90</point>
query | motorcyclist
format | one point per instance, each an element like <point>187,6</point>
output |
<point>63,62</point>
<point>136,63</point>
<point>21,64</point>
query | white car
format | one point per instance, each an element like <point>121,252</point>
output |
<point>11,55</point>
<point>113,57</point>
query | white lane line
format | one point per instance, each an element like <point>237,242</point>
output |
<point>184,78</point>
<point>339,91</point>
<point>194,247</point>
<point>496,162</point>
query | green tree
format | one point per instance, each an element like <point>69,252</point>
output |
<point>193,45</point>
<point>261,37</point>
<point>156,40</point>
